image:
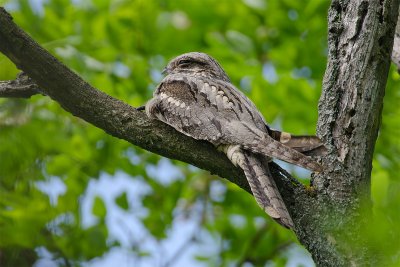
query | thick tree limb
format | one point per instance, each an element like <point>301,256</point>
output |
<point>118,118</point>
<point>113,116</point>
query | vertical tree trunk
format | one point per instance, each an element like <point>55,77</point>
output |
<point>360,41</point>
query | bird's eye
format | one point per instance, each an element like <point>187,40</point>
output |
<point>185,63</point>
<point>190,63</point>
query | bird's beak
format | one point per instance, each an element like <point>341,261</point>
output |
<point>165,71</point>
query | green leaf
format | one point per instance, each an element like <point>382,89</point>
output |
<point>122,201</point>
<point>99,208</point>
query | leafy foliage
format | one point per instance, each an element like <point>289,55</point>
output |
<point>51,163</point>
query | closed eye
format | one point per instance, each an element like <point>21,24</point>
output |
<point>185,63</point>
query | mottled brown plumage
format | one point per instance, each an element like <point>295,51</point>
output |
<point>198,99</point>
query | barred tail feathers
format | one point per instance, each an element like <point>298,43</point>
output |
<point>269,198</point>
<point>306,144</point>
<point>269,147</point>
<point>261,183</point>
<point>254,140</point>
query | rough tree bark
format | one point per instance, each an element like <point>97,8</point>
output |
<point>361,36</point>
<point>360,42</point>
<point>396,45</point>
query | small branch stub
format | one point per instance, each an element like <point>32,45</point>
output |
<point>21,87</point>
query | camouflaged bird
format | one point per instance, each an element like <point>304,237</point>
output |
<point>198,99</point>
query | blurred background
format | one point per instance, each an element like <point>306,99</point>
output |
<point>71,195</point>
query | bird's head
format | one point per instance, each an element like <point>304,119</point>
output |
<point>196,63</point>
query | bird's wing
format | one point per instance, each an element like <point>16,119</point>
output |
<point>217,112</point>
<point>201,108</point>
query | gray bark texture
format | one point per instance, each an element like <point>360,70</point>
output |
<point>361,37</point>
<point>360,42</point>
<point>396,45</point>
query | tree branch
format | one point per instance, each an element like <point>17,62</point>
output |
<point>118,118</point>
<point>21,87</point>
<point>112,115</point>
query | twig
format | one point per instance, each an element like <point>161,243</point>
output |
<point>21,87</point>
